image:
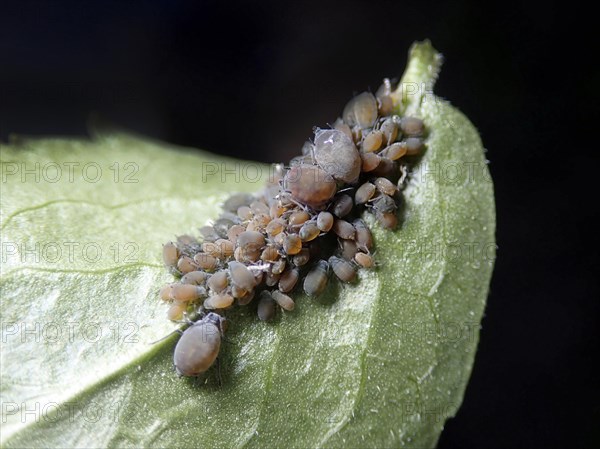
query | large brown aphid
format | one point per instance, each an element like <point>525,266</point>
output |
<point>305,224</point>
<point>199,346</point>
<point>344,270</point>
<point>310,185</point>
<point>316,280</point>
<point>337,155</point>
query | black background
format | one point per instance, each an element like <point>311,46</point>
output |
<point>250,80</point>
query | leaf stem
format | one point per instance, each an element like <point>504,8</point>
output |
<point>422,70</point>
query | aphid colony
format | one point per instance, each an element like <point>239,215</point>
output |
<point>305,225</point>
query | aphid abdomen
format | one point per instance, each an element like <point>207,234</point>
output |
<point>197,349</point>
<point>310,185</point>
<point>337,155</point>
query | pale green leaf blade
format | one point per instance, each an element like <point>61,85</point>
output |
<point>382,363</point>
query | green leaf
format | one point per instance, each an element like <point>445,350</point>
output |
<point>382,363</point>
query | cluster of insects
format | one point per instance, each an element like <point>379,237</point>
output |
<point>302,227</point>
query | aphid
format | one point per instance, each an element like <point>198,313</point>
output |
<point>414,145</point>
<point>212,249</point>
<point>245,213</point>
<point>259,208</point>
<point>278,267</point>
<point>199,346</point>
<point>364,260</point>
<point>238,292</point>
<point>272,278</point>
<point>176,310</point>
<point>186,240</point>
<point>195,278</point>
<point>342,206</point>
<point>259,222</point>
<point>283,300</point>
<point>395,151</point>
<point>364,238</point>
<point>251,242</point>
<point>269,254</point>
<point>288,280</point>
<point>266,306</point>
<point>309,231</point>
<point>298,218</point>
<point>209,234</point>
<point>386,168</point>
<point>370,161</point>
<point>241,276</point>
<point>276,210</point>
<point>170,254</point>
<point>218,281</point>
<point>372,141</point>
<point>387,220</point>
<point>316,279</point>
<point>292,244</point>
<point>411,126</point>
<point>343,269</point>
<point>364,193</point>
<point>222,225</point>
<point>185,265</point>
<point>389,128</point>
<point>386,186</point>
<point>233,232</point>
<point>311,185</point>
<point>237,200</point>
<point>343,229</point>
<point>205,261</point>
<point>279,238</point>
<point>307,148</point>
<point>301,258</point>
<point>385,104</point>
<point>385,204</point>
<point>341,126</point>
<point>384,97</point>
<point>221,249</point>
<point>221,301</point>
<point>275,227</point>
<point>244,300</point>
<point>165,292</point>
<point>361,110</point>
<point>187,292</point>
<point>385,89</point>
<point>324,221</point>
<point>348,249</point>
<point>337,155</point>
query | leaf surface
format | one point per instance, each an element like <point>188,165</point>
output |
<point>382,363</point>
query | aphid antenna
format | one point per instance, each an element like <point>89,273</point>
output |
<point>176,331</point>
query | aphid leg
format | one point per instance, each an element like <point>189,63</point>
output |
<point>219,378</point>
<point>404,174</point>
<point>304,207</point>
